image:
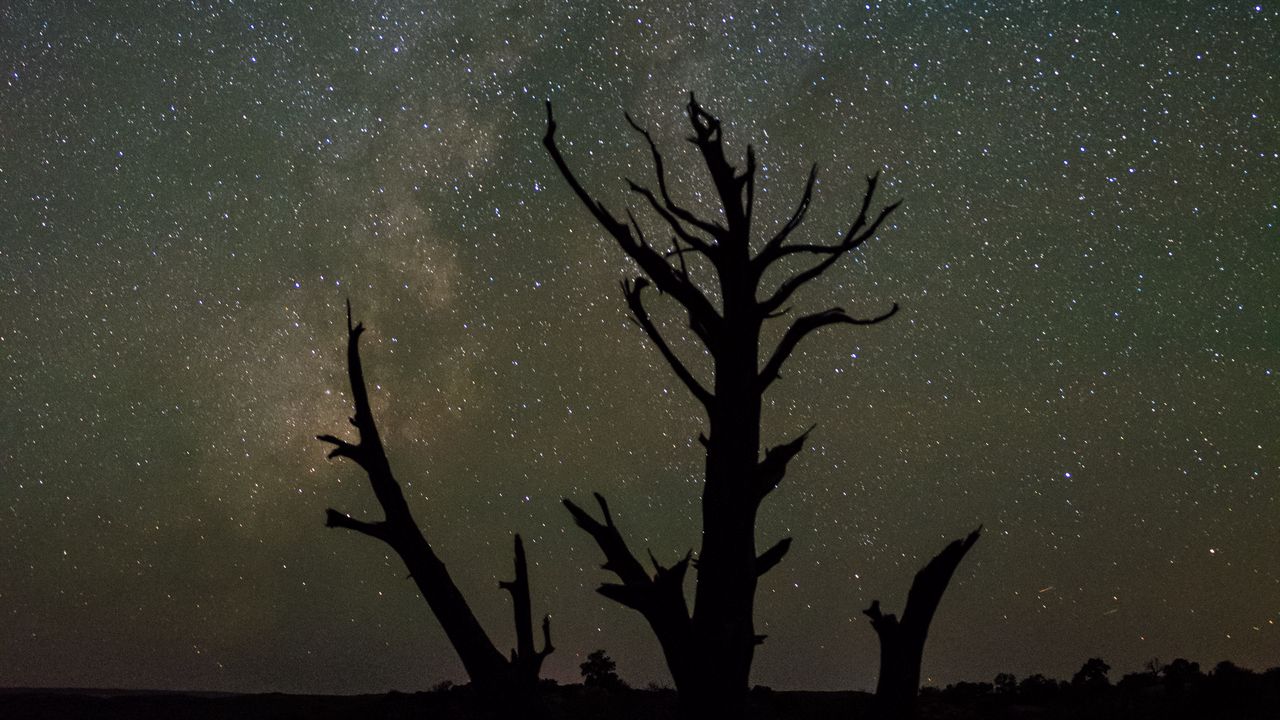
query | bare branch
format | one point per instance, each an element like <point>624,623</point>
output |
<point>932,580</point>
<point>773,247</point>
<point>678,253</point>
<point>748,180</point>
<point>660,598</point>
<point>341,448</point>
<point>368,453</point>
<point>638,590</point>
<point>377,530</point>
<point>902,641</point>
<point>696,242</point>
<point>880,621</point>
<point>524,656</point>
<point>615,227</point>
<point>766,560</point>
<point>632,291</point>
<point>667,279</point>
<point>547,647</point>
<point>771,470</point>
<point>708,138</point>
<point>711,228</point>
<point>635,598</point>
<point>670,581</point>
<point>857,234</point>
<point>805,325</point>
<point>482,661</point>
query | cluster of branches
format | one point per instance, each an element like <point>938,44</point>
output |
<point>709,648</point>
<point>726,244</point>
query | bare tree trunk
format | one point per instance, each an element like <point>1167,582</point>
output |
<point>902,642</point>
<point>485,666</point>
<point>526,663</point>
<point>710,652</point>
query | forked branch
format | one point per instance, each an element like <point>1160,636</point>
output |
<point>660,598</point>
<point>367,452</point>
<point>523,656</point>
<point>484,664</point>
<point>667,279</point>
<point>797,217</point>
<point>632,290</point>
<point>858,233</point>
<point>729,184</point>
<point>902,641</point>
<point>711,228</point>
<point>802,327</point>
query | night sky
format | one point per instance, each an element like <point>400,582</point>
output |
<point>1087,360</point>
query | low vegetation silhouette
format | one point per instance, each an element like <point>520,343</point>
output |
<point>600,671</point>
<point>1178,690</point>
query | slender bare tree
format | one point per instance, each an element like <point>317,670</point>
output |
<point>709,651</point>
<point>512,677</point>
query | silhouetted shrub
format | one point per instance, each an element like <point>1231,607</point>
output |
<point>1037,689</point>
<point>966,690</point>
<point>1092,676</point>
<point>1181,674</point>
<point>600,671</point>
<point>1005,684</point>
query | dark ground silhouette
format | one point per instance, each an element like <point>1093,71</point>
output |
<point>1177,691</point>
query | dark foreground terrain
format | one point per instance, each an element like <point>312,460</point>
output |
<point>1242,698</point>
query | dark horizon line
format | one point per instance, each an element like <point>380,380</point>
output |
<point>447,685</point>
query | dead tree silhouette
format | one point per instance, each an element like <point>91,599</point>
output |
<point>902,641</point>
<point>509,678</point>
<point>709,652</point>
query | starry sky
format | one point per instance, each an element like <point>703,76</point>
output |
<point>1086,360</point>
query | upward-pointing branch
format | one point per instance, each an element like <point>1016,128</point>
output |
<point>484,664</point>
<point>632,291</point>
<point>805,325</point>
<point>775,243</point>
<point>902,641</point>
<point>702,314</point>
<point>773,468</point>
<point>858,233</point>
<point>710,228</point>
<point>524,657</point>
<point>368,452</point>
<point>660,598</point>
<point>729,184</point>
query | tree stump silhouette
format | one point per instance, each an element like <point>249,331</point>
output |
<point>902,641</point>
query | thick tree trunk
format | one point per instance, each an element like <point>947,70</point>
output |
<point>902,642</point>
<point>723,615</point>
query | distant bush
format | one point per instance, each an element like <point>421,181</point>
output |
<point>1092,676</point>
<point>600,671</point>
